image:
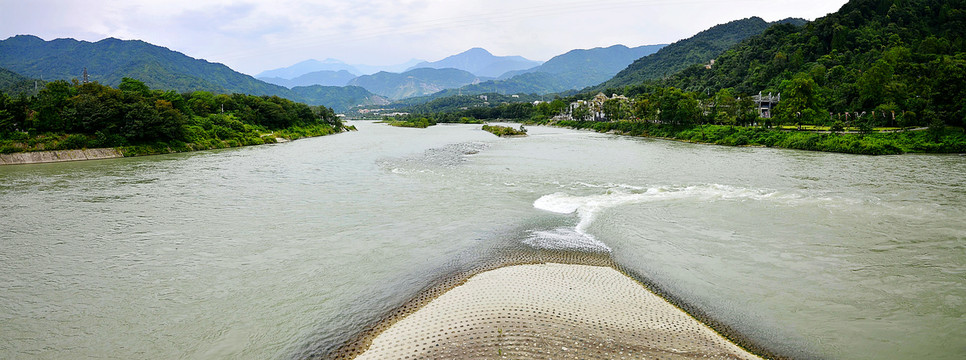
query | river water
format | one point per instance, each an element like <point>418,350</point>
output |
<point>278,251</point>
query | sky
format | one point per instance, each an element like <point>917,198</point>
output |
<point>253,36</point>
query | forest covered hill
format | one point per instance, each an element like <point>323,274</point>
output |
<point>905,60</point>
<point>698,49</point>
<point>110,60</point>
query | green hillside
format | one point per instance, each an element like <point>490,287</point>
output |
<point>905,60</point>
<point>109,60</point>
<point>698,49</point>
<point>584,67</point>
<point>13,83</point>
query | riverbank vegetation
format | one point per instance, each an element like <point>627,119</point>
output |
<point>139,120</point>
<point>937,140</point>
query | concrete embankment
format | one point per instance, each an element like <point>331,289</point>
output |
<point>58,156</point>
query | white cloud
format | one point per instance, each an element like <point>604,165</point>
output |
<point>252,36</point>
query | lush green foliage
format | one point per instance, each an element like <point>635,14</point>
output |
<point>698,49</point>
<point>415,122</point>
<point>902,60</point>
<point>505,130</point>
<point>949,140</point>
<point>72,115</point>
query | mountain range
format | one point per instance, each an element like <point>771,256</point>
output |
<point>109,60</point>
<point>341,86</point>
<point>321,77</point>
<point>573,70</point>
<point>481,63</point>
<point>333,65</point>
<point>416,82</point>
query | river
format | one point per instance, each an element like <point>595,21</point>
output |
<point>278,251</point>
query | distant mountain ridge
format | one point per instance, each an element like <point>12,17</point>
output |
<point>481,63</point>
<point>416,82</point>
<point>321,77</point>
<point>339,98</point>
<point>310,66</point>
<point>572,70</point>
<point>108,61</point>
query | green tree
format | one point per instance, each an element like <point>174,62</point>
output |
<point>613,109</point>
<point>49,104</point>
<point>678,108</point>
<point>134,86</point>
<point>872,83</point>
<point>800,102</point>
<point>725,107</point>
<point>141,122</point>
<point>644,108</point>
<point>580,112</point>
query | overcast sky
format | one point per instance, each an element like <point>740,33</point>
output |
<point>252,36</point>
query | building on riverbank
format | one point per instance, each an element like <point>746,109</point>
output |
<point>766,103</point>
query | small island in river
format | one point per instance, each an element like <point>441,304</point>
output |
<point>505,131</point>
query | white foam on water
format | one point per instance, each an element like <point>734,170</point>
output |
<point>565,239</point>
<point>587,208</point>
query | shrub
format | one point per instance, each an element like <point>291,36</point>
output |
<point>75,141</point>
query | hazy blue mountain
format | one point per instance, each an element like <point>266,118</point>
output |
<point>526,83</point>
<point>322,77</point>
<point>335,65</point>
<point>698,49</point>
<point>308,66</point>
<point>339,98</point>
<point>481,62</point>
<point>416,82</point>
<point>573,70</point>
<point>596,63</point>
<point>396,68</point>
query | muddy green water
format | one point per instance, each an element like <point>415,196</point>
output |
<point>279,251</point>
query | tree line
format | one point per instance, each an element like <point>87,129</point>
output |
<point>76,115</point>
